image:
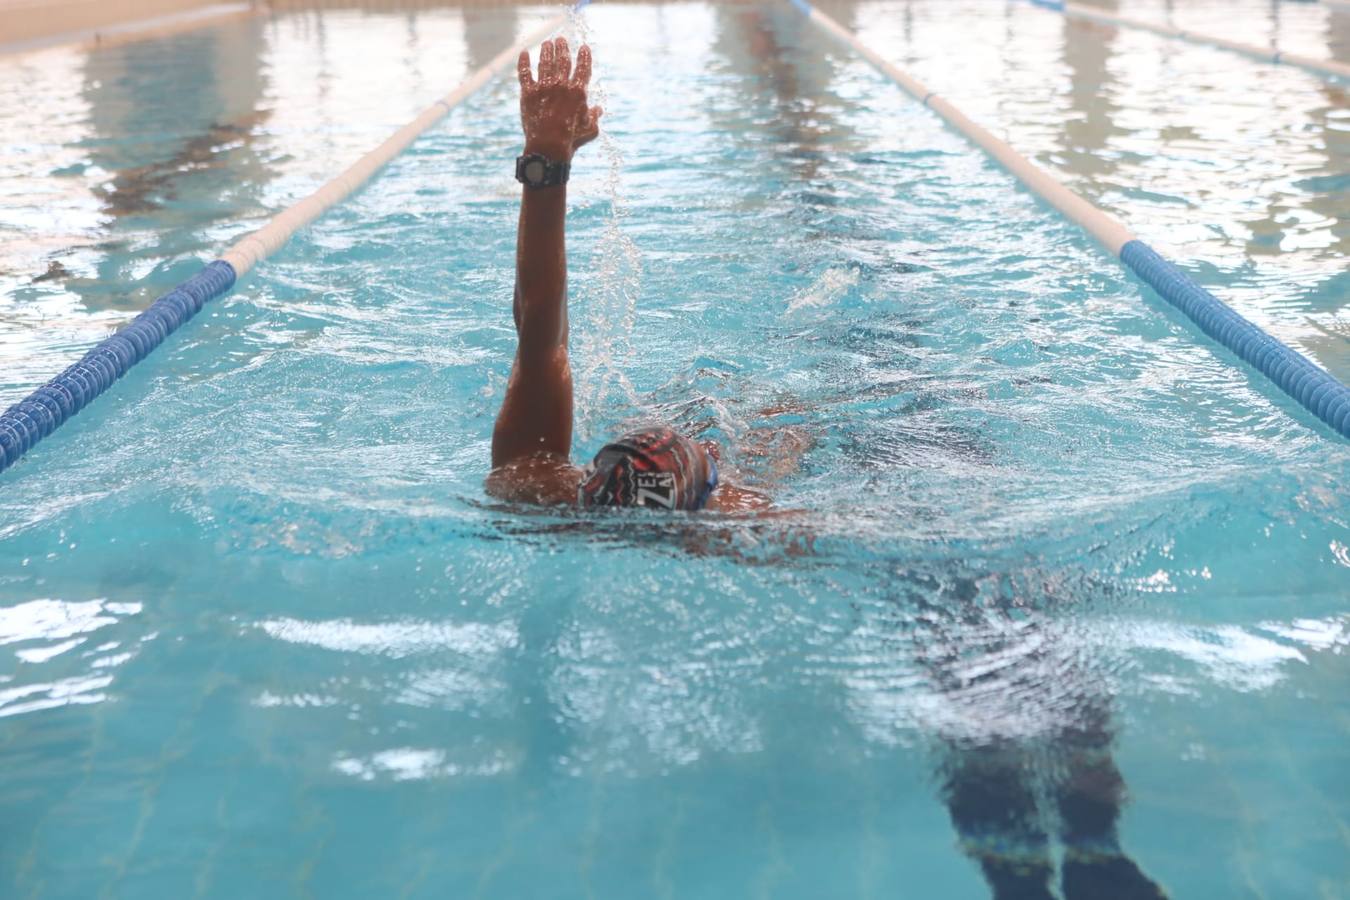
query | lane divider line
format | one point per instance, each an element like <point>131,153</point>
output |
<point>36,416</point>
<point>1313,388</point>
<point>1312,63</point>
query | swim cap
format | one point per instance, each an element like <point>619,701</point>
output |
<point>654,467</point>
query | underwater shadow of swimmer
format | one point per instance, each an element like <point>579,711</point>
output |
<point>1011,775</point>
<point>144,189</point>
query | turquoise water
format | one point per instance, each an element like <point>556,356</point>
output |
<point>264,634</point>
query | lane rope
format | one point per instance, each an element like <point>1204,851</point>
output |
<point>1329,67</point>
<point>36,416</point>
<point>1313,388</point>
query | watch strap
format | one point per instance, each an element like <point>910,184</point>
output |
<point>534,170</point>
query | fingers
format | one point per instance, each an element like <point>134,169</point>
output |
<point>562,60</point>
<point>582,76</point>
<point>546,63</point>
<point>523,70</point>
<point>555,63</point>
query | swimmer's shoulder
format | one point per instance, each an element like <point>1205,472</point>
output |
<point>545,479</point>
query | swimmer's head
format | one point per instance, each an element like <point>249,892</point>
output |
<point>653,467</point>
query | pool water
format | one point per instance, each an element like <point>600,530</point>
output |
<point>1044,556</point>
<point>1233,167</point>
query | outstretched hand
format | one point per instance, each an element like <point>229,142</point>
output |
<point>553,109</point>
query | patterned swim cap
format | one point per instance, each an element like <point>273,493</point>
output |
<point>653,467</point>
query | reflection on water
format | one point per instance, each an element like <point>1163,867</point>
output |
<point>167,161</point>
<point>145,189</point>
<point>110,195</point>
<point>487,32</point>
<point>145,168</point>
<point>117,180</point>
<point>257,616</point>
<point>1089,123</point>
<point>78,645</point>
<point>1232,167</point>
<point>793,90</point>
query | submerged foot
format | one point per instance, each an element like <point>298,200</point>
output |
<point>1107,878</point>
<point>1016,880</point>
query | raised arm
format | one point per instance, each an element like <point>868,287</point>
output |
<point>533,435</point>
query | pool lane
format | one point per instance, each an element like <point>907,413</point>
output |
<point>1319,393</point>
<point>118,186</point>
<point>1235,168</point>
<point>268,637</point>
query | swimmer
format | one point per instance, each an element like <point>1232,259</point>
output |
<point>531,444</point>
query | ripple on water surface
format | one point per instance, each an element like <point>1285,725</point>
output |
<point>1028,524</point>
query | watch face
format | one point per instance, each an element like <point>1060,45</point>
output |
<point>534,171</point>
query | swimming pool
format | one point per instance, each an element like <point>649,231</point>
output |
<point>267,636</point>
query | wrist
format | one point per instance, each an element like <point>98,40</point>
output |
<point>554,150</point>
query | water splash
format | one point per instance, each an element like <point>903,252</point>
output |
<point>602,345</point>
<point>825,290</point>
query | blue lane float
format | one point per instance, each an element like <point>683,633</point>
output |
<point>1292,372</point>
<point>47,408</point>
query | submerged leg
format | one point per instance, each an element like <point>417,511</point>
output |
<point>1090,797</point>
<point>994,810</point>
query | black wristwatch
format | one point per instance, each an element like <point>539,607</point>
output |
<point>535,170</point>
